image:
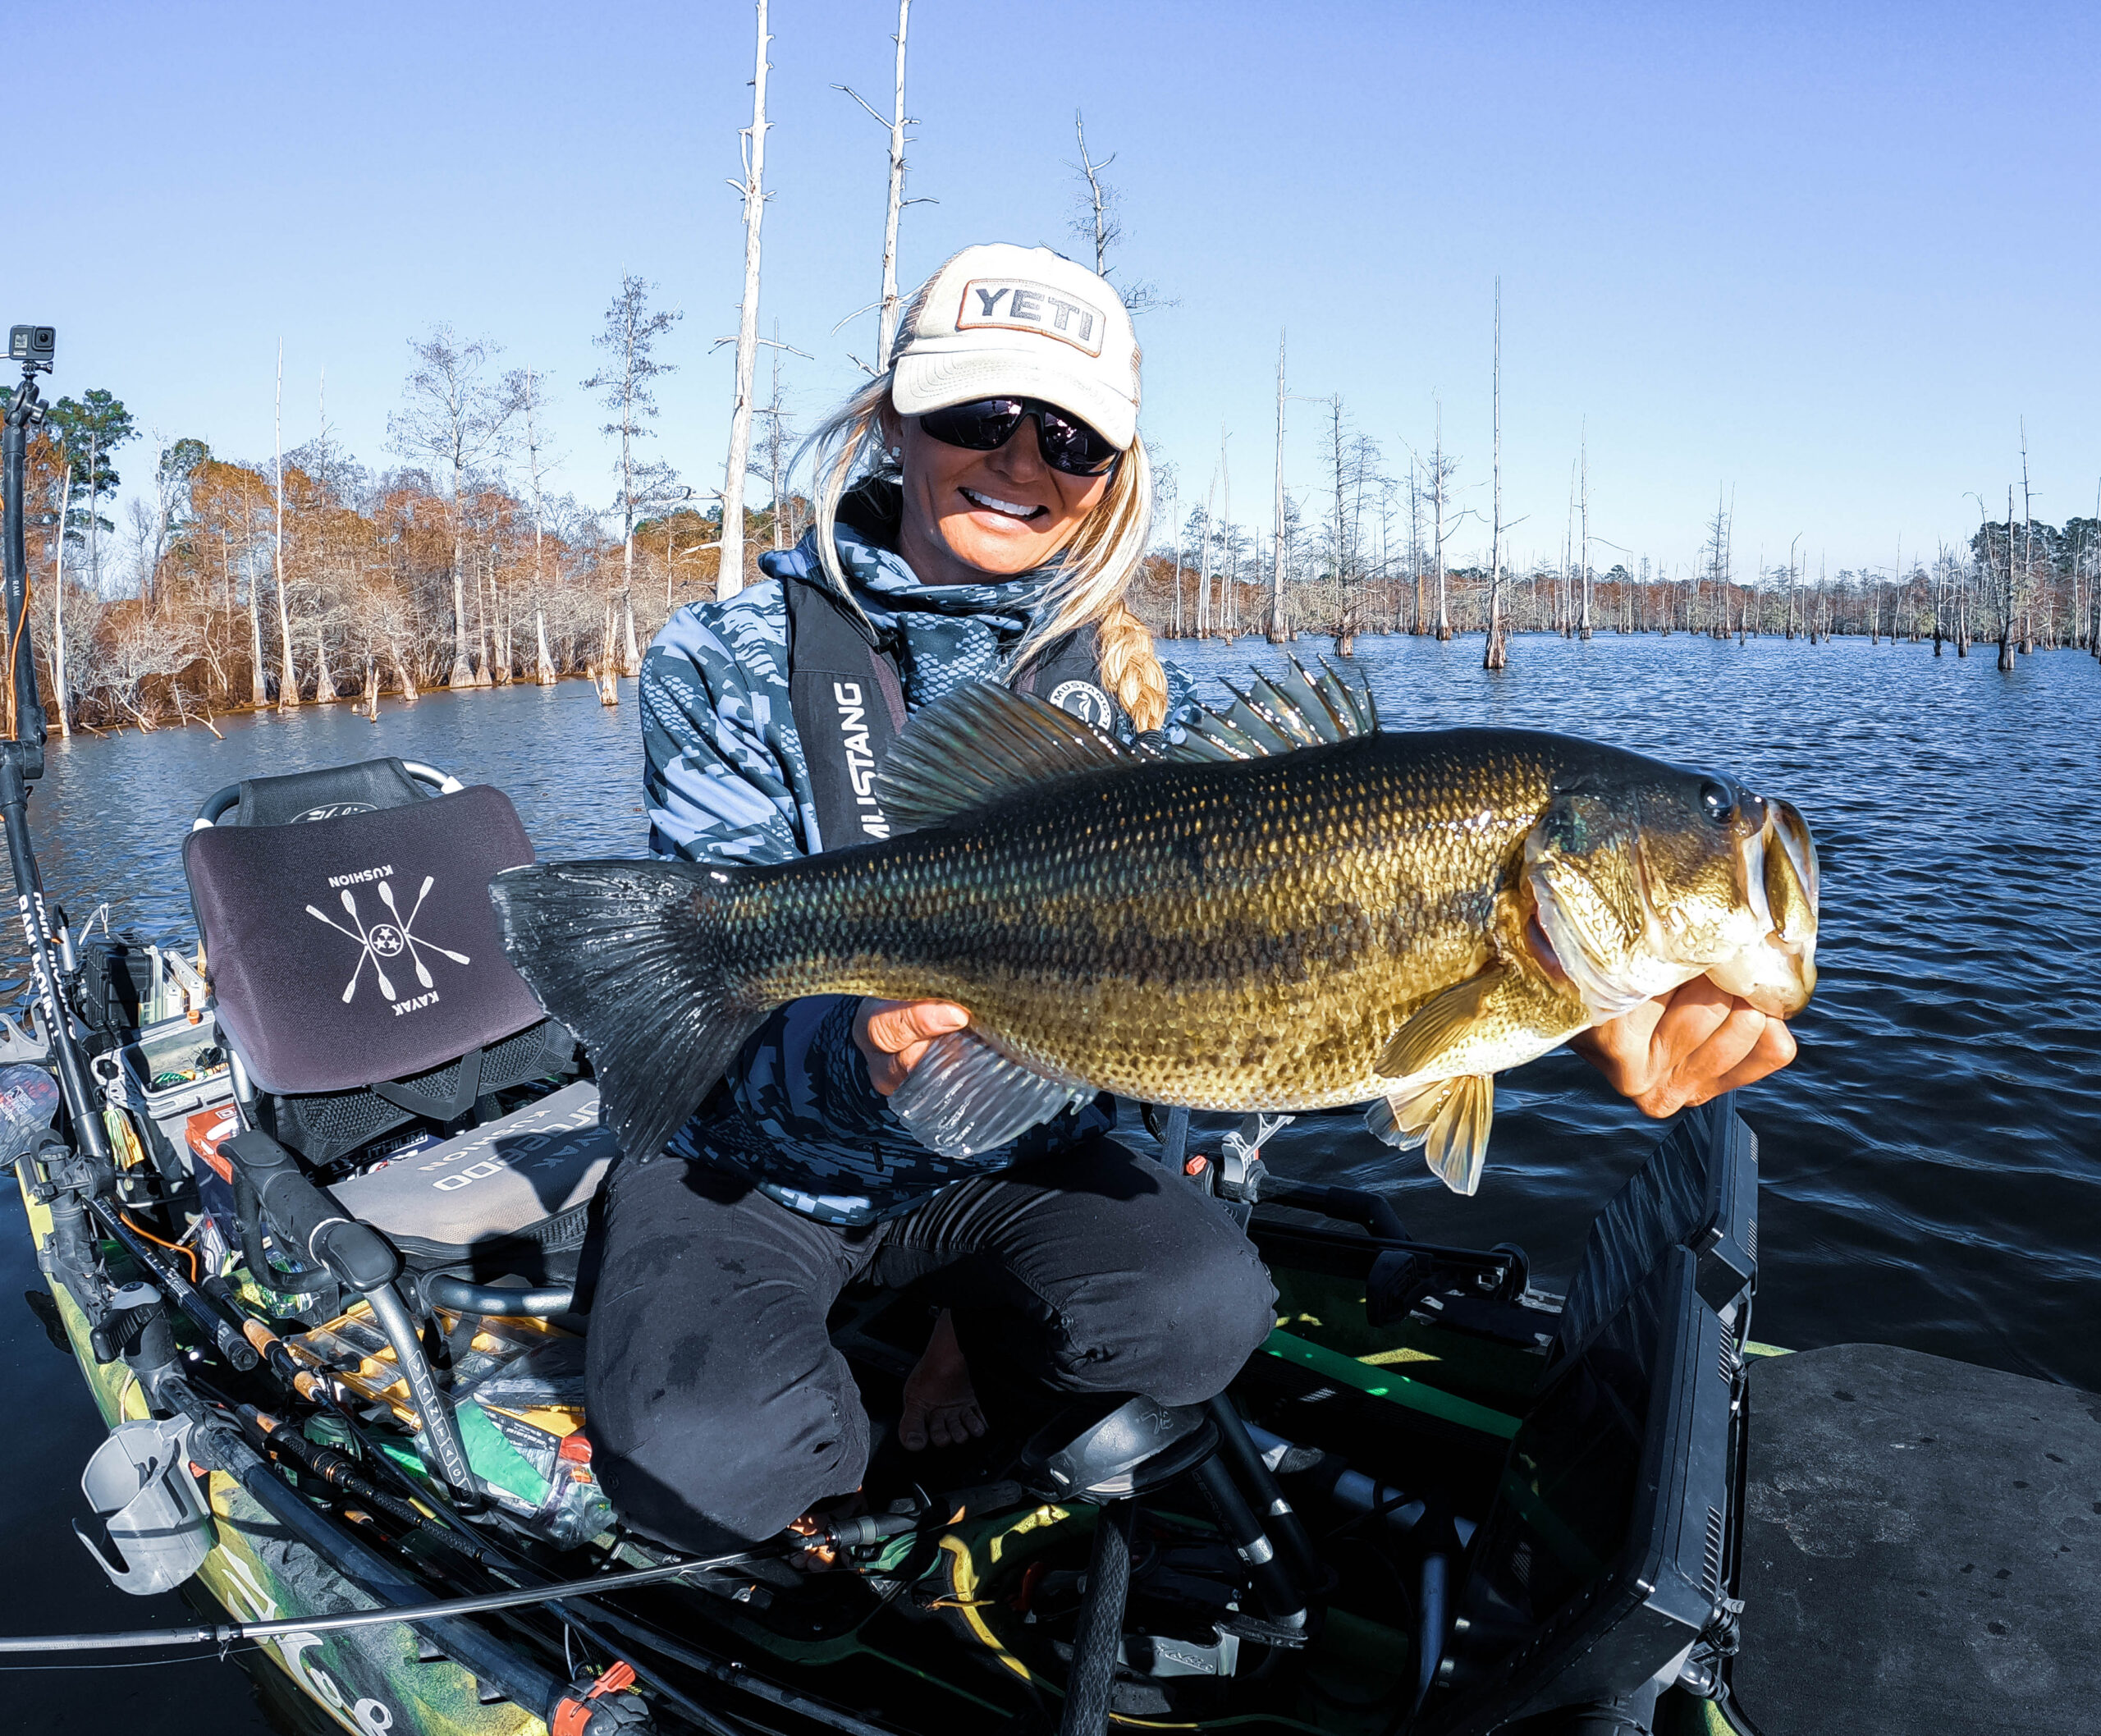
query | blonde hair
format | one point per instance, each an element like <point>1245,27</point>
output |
<point>1096,566</point>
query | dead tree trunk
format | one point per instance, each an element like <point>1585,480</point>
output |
<point>1280,624</point>
<point>2006,591</point>
<point>1497,655</point>
<point>1438,478</point>
<point>288,676</point>
<point>543,670</point>
<point>1203,566</point>
<point>59,691</point>
<point>729,574</point>
<point>886,319</point>
<point>324,683</point>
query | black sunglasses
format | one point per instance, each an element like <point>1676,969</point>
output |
<point>986,424</point>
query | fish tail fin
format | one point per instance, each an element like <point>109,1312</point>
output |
<point>637,958</point>
<point>1449,1118</point>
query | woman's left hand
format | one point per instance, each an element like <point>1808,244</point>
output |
<point>893,1035</point>
<point>1681,1049</point>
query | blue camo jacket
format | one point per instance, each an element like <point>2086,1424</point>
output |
<point>726,782</point>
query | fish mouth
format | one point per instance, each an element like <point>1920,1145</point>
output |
<point>1777,974</point>
<point>1542,948</point>
<point>1619,935</point>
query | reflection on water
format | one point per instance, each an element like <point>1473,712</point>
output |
<point>1932,1162</point>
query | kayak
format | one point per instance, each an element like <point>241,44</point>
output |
<point>337,1334</point>
<point>1439,1499</point>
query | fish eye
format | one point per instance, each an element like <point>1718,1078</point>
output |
<point>1718,800</point>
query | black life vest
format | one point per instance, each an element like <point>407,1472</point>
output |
<point>848,701</point>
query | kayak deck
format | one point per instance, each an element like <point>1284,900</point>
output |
<point>1922,1548</point>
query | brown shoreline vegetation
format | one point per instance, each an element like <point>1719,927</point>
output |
<point>362,586</point>
<point>348,585</point>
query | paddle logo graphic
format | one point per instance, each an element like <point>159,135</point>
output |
<point>385,943</point>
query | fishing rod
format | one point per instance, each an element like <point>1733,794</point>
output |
<point>226,1633</point>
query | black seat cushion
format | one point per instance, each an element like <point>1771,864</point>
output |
<point>361,948</point>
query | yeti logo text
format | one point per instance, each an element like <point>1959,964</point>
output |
<point>1016,304</point>
<point>390,940</point>
<point>860,762</point>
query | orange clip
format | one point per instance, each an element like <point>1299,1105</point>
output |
<point>572,1716</point>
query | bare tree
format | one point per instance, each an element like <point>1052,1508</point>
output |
<point>1167,482</point>
<point>1204,611</point>
<point>458,419</point>
<point>535,468</point>
<point>288,672</point>
<point>1497,656</point>
<point>729,574</point>
<point>629,340</point>
<point>1279,626</point>
<point>888,307</point>
<point>1097,223</point>
<point>58,665</point>
<point>1436,490</point>
<point>1716,552</point>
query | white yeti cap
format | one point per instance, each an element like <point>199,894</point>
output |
<point>1006,322</point>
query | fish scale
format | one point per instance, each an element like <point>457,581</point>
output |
<point>1230,936</point>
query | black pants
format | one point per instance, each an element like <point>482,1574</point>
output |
<point>717,1403</point>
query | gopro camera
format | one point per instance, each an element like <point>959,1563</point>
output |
<point>33,343</point>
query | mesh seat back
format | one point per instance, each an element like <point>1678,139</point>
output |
<point>361,948</point>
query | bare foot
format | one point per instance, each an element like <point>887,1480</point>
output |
<point>940,1405</point>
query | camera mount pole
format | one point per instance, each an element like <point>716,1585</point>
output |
<point>21,762</point>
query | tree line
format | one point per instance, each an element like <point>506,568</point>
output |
<point>308,576</point>
<point>1375,550</point>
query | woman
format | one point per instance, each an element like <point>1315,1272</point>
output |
<point>1002,506</point>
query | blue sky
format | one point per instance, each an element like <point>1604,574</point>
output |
<point>1825,259</point>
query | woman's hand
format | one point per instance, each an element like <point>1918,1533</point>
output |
<point>1683,1048</point>
<point>892,1035</point>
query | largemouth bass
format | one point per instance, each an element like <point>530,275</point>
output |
<point>1293,911</point>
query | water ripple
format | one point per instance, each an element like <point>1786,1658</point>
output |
<point>1932,1160</point>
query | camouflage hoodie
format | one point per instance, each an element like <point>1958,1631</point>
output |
<point>725,781</point>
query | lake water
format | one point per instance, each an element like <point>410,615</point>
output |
<point>1932,1161</point>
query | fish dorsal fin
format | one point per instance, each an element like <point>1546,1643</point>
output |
<point>1278,715</point>
<point>981,745</point>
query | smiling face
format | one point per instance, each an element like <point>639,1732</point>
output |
<point>969,515</point>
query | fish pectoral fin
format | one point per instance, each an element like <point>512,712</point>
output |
<point>1449,1119</point>
<point>1441,1023</point>
<point>982,745</point>
<point>964,1096</point>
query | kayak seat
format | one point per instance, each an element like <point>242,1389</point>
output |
<point>355,967</point>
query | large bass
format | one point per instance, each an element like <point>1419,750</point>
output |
<point>1291,910</point>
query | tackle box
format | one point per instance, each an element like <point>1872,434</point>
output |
<point>173,1069</point>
